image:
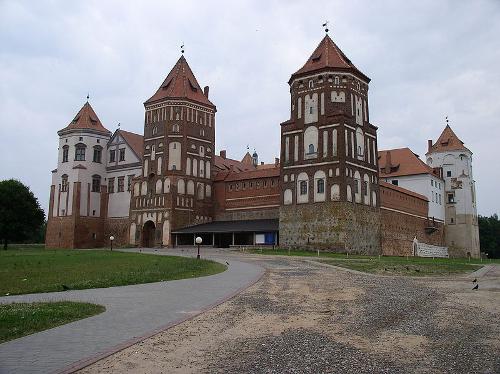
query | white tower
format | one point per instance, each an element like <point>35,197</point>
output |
<point>78,198</point>
<point>455,160</point>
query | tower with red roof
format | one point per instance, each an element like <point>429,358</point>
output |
<point>330,195</point>
<point>454,159</point>
<point>175,188</point>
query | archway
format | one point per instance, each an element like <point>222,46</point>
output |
<point>148,235</point>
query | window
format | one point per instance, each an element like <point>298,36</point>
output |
<point>155,130</point>
<point>311,84</point>
<point>96,183</point>
<point>64,183</point>
<point>432,183</point>
<point>303,187</point>
<point>112,155</point>
<point>310,149</point>
<point>451,198</point>
<point>65,153</point>
<point>80,152</point>
<point>395,182</point>
<point>97,154</point>
<point>122,154</point>
<point>80,139</point>
<point>448,173</point>
<point>129,182</point>
<point>111,185</point>
<point>439,199</point>
<point>121,184</point>
<point>321,186</point>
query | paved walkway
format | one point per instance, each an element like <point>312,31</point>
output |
<point>131,312</point>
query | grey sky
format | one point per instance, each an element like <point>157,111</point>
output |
<point>426,58</point>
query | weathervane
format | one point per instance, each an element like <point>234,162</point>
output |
<point>182,48</point>
<point>88,96</point>
<point>447,121</point>
<point>325,25</point>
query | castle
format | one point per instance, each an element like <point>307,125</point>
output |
<point>331,188</point>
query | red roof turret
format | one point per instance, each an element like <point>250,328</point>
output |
<point>181,84</point>
<point>86,119</point>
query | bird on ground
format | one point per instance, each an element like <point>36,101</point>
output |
<point>227,263</point>
<point>417,270</point>
<point>475,280</point>
<point>476,287</point>
<point>407,268</point>
<point>65,288</point>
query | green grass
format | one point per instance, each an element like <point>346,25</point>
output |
<point>21,319</point>
<point>409,268</point>
<point>37,270</point>
<point>390,265</point>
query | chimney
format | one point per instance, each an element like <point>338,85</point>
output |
<point>276,161</point>
<point>388,162</point>
<point>429,145</point>
<point>223,154</point>
<point>205,91</point>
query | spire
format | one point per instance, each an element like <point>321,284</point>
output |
<point>448,141</point>
<point>328,55</point>
<point>86,119</point>
<point>180,84</point>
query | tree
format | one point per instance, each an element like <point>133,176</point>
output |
<point>489,235</point>
<point>20,213</point>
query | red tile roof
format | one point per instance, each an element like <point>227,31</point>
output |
<point>253,174</point>
<point>135,141</point>
<point>86,119</point>
<point>448,141</point>
<point>180,84</point>
<point>401,162</point>
<point>402,190</point>
<point>328,55</point>
<point>228,163</point>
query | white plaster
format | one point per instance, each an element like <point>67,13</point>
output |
<point>335,192</point>
<point>287,197</point>
<point>338,97</point>
<point>311,142</point>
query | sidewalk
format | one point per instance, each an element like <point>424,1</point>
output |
<point>131,312</point>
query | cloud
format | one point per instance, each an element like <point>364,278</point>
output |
<point>426,59</point>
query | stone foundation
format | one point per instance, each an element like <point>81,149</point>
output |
<point>333,226</point>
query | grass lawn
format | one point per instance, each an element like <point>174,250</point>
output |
<point>389,265</point>
<point>21,319</point>
<point>39,270</point>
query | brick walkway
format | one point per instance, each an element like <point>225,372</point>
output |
<point>131,312</point>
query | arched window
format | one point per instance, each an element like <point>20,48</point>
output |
<point>337,80</point>
<point>96,183</point>
<point>311,84</point>
<point>202,151</point>
<point>302,188</point>
<point>155,130</point>
<point>310,142</point>
<point>65,153</point>
<point>190,187</point>
<point>64,183</point>
<point>319,182</point>
<point>287,197</point>
<point>200,191</point>
<point>80,152</point>
<point>360,142</point>
<point>181,187</point>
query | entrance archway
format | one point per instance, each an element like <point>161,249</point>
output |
<point>148,235</point>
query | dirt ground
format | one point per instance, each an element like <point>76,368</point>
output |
<point>307,317</point>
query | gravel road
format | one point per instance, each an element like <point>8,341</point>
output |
<point>306,317</point>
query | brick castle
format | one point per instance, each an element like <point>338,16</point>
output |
<point>330,189</point>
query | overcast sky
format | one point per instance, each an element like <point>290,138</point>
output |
<point>426,58</point>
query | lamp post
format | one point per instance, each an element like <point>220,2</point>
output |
<point>198,241</point>
<point>111,238</point>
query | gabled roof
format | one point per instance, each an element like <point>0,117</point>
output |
<point>222,164</point>
<point>180,84</point>
<point>448,141</point>
<point>135,141</point>
<point>401,162</point>
<point>86,119</point>
<point>328,55</point>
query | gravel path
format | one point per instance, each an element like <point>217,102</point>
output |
<point>304,317</point>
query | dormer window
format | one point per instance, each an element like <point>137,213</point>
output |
<point>112,154</point>
<point>80,152</point>
<point>122,154</point>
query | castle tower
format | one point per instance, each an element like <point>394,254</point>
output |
<point>175,189</point>
<point>329,168</point>
<point>455,160</point>
<point>78,195</point>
